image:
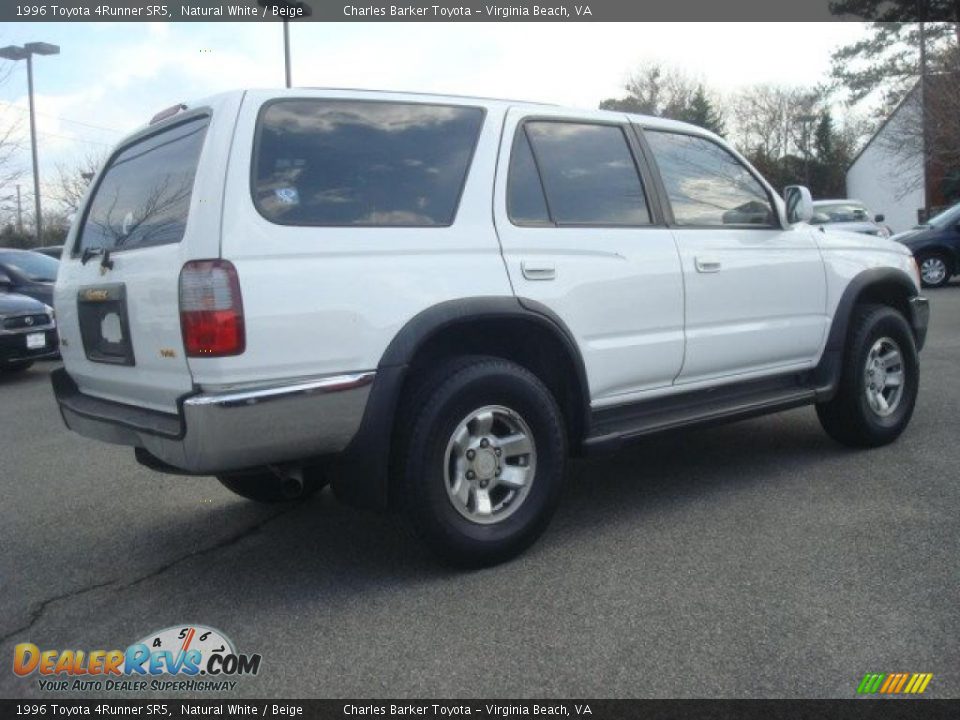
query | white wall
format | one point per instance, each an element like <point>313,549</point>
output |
<point>881,179</point>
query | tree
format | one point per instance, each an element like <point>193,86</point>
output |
<point>888,59</point>
<point>655,90</point>
<point>702,112</point>
<point>73,181</point>
<point>823,135</point>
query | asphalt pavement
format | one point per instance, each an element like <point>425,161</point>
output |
<point>758,559</point>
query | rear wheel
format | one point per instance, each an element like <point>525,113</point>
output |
<point>878,383</point>
<point>483,459</point>
<point>267,486</point>
<point>934,269</point>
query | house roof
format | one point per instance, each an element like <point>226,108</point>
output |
<point>886,121</point>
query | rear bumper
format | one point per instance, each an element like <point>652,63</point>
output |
<point>219,432</point>
<point>919,319</point>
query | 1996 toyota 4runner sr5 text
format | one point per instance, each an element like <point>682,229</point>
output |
<point>430,302</point>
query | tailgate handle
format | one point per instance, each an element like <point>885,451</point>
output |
<point>538,271</point>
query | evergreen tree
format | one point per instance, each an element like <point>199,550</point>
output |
<point>703,113</point>
<point>823,137</point>
<point>888,59</point>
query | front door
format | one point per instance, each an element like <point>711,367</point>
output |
<point>755,292</point>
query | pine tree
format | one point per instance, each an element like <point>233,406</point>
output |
<point>823,137</point>
<point>888,60</point>
<point>703,113</point>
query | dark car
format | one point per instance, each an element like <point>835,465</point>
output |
<point>28,332</point>
<point>936,246</point>
<point>28,273</point>
<point>54,251</point>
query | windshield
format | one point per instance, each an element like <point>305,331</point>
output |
<point>36,267</point>
<point>950,216</point>
<point>840,212</point>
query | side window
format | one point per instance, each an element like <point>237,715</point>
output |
<point>588,173</point>
<point>706,184</point>
<point>526,204</point>
<point>354,162</point>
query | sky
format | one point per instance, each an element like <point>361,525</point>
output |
<point>110,78</point>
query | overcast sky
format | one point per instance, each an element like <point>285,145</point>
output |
<point>110,78</point>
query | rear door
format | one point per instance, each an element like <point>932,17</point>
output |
<point>154,207</point>
<point>581,234</point>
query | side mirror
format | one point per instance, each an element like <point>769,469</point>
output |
<point>799,204</point>
<point>5,282</point>
<point>879,218</point>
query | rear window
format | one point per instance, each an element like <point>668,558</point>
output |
<point>144,196</point>
<point>346,162</point>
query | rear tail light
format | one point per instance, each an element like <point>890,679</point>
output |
<point>211,310</point>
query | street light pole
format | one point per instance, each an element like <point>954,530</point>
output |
<point>286,49</point>
<point>33,151</point>
<point>288,9</point>
<point>26,52</point>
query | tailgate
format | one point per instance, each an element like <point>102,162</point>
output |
<point>154,207</point>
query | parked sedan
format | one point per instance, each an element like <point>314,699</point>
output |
<point>28,273</point>
<point>849,215</point>
<point>54,251</point>
<point>28,332</point>
<point>936,246</point>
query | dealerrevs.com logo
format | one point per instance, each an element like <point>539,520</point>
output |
<point>188,658</point>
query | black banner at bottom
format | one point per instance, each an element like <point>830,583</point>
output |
<point>860,709</point>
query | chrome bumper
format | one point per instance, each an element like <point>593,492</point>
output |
<point>225,431</point>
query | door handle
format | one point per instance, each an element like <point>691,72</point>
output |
<point>538,271</point>
<point>707,265</point>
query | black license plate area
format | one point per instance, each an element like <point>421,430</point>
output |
<point>104,325</point>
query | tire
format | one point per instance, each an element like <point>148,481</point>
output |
<point>267,487</point>
<point>855,416</point>
<point>17,366</point>
<point>934,269</point>
<point>453,425</point>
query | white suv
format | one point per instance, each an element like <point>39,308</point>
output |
<point>431,301</point>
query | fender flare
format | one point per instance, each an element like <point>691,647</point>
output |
<point>831,364</point>
<point>360,474</point>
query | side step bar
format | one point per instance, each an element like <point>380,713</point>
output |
<point>612,427</point>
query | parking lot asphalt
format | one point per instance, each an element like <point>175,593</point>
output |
<point>758,559</point>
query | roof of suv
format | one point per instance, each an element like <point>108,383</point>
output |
<point>645,120</point>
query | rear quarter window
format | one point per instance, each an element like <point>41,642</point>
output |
<point>143,197</point>
<point>362,163</point>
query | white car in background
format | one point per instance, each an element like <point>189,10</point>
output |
<point>849,215</point>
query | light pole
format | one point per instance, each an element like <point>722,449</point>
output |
<point>286,8</point>
<point>26,52</point>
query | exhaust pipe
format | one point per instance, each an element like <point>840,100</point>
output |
<point>290,478</point>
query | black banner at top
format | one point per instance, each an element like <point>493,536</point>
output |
<point>474,11</point>
<point>357,709</point>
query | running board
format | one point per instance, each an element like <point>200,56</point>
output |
<point>611,427</point>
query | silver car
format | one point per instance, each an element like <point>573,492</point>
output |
<point>849,215</point>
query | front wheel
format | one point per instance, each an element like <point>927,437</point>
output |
<point>934,270</point>
<point>878,383</point>
<point>483,460</point>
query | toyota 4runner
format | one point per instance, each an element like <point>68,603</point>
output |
<point>430,302</point>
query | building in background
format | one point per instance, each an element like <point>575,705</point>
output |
<point>893,175</point>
